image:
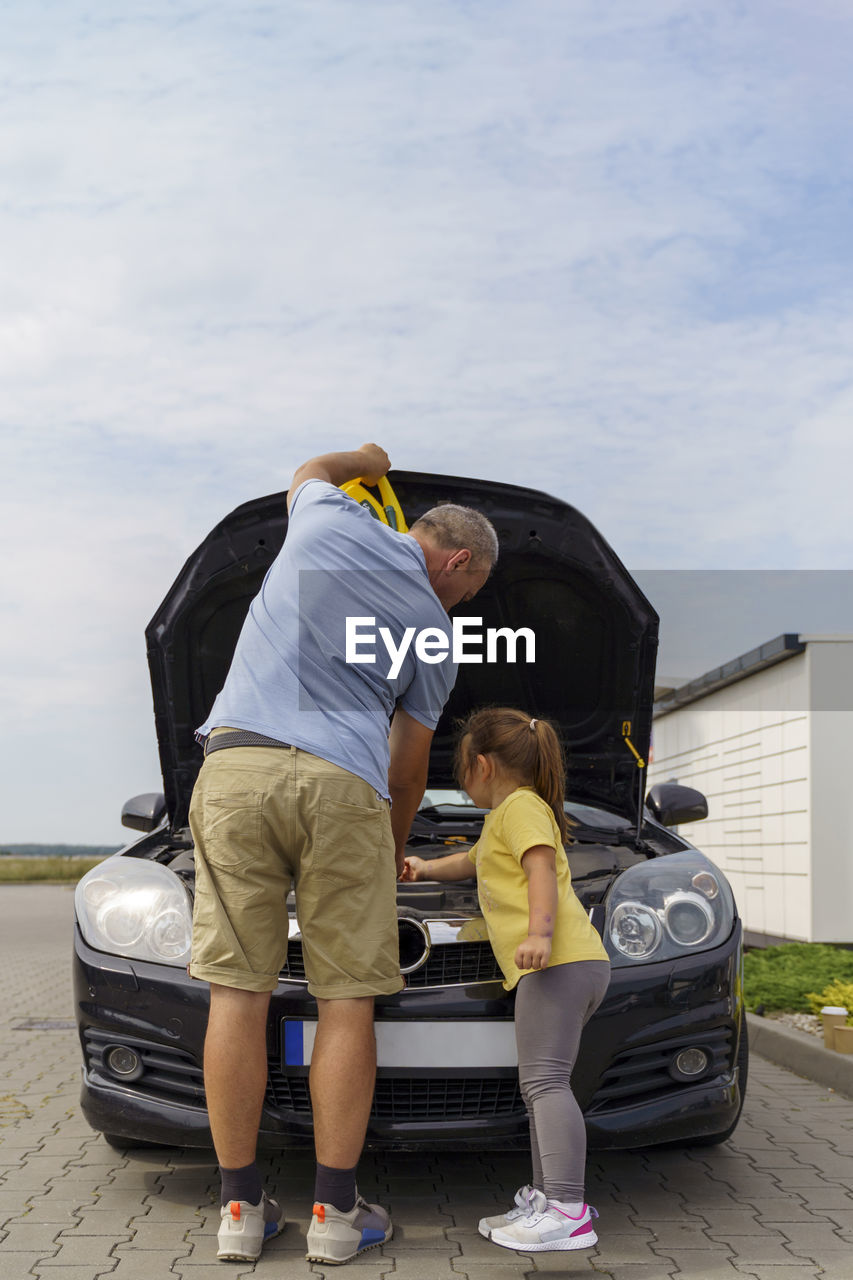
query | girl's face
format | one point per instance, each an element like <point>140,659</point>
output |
<point>476,776</point>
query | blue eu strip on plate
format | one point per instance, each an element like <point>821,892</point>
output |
<point>293,1051</point>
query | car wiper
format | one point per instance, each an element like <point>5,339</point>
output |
<point>426,827</point>
<point>598,874</point>
<point>616,839</point>
<point>443,812</point>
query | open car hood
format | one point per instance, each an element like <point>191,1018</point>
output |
<point>596,636</point>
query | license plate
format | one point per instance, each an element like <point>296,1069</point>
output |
<point>418,1044</point>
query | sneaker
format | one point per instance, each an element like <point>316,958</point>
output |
<point>336,1237</point>
<point>547,1228</point>
<point>245,1228</point>
<point>522,1200</point>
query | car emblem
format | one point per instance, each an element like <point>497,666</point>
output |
<point>415,944</point>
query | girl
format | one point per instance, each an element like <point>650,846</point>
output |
<point>547,949</point>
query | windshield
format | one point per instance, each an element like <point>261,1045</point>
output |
<point>437,798</point>
<point>584,814</point>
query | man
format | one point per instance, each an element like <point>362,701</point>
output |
<point>314,769</point>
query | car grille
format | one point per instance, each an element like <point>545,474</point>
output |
<point>172,1074</point>
<point>413,1099</point>
<point>446,965</point>
<point>167,1072</point>
<point>638,1075</point>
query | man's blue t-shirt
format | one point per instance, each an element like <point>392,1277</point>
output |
<point>290,678</point>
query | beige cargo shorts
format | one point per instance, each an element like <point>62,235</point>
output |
<point>266,818</point>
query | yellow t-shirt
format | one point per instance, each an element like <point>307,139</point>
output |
<point>519,822</point>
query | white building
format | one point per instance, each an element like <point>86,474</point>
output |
<point>768,739</point>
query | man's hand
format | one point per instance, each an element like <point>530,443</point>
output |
<point>414,869</point>
<point>377,463</point>
<point>369,462</point>
<point>533,953</point>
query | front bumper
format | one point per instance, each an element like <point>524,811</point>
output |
<point>622,1078</point>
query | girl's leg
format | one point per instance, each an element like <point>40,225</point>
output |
<point>551,1007</point>
<point>535,1159</point>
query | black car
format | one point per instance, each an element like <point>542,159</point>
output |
<point>665,1057</point>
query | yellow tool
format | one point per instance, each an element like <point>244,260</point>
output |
<point>386,508</point>
<point>626,732</point>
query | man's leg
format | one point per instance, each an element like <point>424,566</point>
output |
<point>235,1071</point>
<point>239,940</point>
<point>343,1073</point>
<point>345,895</point>
<point>235,1077</point>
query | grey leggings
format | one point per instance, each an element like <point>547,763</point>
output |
<point>551,1008</point>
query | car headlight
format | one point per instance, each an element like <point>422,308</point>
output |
<point>135,908</point>
<point>666,907</point>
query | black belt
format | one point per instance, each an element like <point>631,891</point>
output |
<point>240,738</point>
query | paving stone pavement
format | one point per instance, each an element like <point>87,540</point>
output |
<point>774,1203</point>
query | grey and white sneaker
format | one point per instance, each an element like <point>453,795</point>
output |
<point>522,1201</point>
<point>245,1228</point>
<point>548,1228</point>
<point>336,1237</point>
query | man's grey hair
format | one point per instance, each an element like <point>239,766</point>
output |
<point>451,528</point>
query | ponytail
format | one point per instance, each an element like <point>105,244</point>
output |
<point>549,771</point>
<point>526,748</point>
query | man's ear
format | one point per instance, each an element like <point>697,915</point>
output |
<point>459,560</point>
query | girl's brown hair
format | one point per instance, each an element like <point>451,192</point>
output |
<point>526,747</point>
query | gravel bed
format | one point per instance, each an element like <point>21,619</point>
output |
<point>809,1022</point>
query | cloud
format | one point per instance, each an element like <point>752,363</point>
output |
<point>600,250</point>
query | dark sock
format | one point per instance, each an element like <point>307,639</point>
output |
<point>242,1184</point>
<point>335,1186</point>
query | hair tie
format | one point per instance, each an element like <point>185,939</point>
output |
<point>533,726</point>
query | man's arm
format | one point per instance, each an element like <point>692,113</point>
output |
<point>410,742</point>
<point>369,462</point>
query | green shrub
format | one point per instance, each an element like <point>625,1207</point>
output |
<point>30,870</point>
<point>838,993</point>
<point>782,977</point>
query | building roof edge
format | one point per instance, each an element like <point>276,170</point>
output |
<point>766,655</point>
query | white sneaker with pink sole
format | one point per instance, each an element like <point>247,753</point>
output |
<point>547,1228</point>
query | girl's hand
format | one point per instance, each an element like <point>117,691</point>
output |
<point>533,953</point>
<point>414,869</point>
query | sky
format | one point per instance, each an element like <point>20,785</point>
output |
<point>601,250</point>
